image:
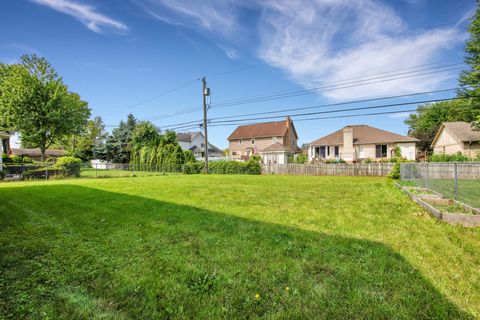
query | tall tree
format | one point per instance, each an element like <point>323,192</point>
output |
<point>118,145</point>
<point>35,102</point>
<point>470,78</point>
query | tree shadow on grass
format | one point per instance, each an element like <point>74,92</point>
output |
<point>75,252</point>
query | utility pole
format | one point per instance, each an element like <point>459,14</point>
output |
<point>205,93</point>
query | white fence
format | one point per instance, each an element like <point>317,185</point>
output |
<point>330,169</point>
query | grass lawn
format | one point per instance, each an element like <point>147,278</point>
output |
<point>208,247</point>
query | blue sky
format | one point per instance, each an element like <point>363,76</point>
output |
<point>116,54</point>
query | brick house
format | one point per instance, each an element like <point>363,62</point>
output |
<point>273,141</point>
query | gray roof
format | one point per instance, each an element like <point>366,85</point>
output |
<point>37,152</point>
<point>185,137</point>
<point>463,131</point>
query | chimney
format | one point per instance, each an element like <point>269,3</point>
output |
<point>287,120</point>
<point>348,150</point>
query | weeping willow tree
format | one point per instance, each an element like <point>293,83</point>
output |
<point>154,152</point>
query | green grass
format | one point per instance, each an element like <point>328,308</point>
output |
<point>206,247</point>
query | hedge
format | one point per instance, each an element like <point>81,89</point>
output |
<point>224,167</point>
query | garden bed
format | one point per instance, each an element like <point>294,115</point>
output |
<point>448,210</point>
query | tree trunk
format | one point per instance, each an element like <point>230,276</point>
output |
<point>42,150</point>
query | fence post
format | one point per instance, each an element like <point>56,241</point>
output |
<point>455,182</point>
<point>427,182</point>
<point>96,170</point>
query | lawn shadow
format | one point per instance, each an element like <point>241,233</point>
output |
<point>75,252</point>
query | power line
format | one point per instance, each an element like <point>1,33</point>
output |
<point>331,87</point>
<point>154,97</point>
<point>313,90</point>
<point>297,92</point>
<point>184,124</point>
<point>344,110</point>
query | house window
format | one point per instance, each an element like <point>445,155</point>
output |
<point>337,151</point>
<point>240,141</point>
<point>381,151</point>
<point>202,145</point>
<point>253,141</point>
<point>234,153</point>
<point>328,151</point>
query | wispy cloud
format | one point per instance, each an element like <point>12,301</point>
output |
<point>231,53</point>
<point>216,16</point>
<point>319,42</point>
<point>292,29</point>
<point>86,14</point>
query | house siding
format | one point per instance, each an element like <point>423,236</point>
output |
<point>447,144</point>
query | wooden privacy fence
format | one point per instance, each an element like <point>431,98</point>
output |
<point>330,169</point>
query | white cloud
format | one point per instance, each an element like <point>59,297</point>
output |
<point>231,53</point>
<point>86,14</point>
<point>319,42</point>
<point>293,29</point>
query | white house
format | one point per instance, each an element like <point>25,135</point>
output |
<point>195,142</point>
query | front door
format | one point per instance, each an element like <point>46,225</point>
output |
<point>322,152</point>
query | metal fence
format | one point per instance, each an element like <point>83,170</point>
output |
<point>46,171</point>
<point>453,180</point>
<point>329,169</point>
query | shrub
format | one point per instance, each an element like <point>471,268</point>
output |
<point>5,158</point>
<point>339,160</point>
<point>27,160</point>
<point>440,157</point>
<point>251,166</point>
<point>16,159</point>
<point>2,175</point>
<point>192,167</point>
<point>70,165</point>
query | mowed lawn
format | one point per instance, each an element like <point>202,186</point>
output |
<point>210,247</point>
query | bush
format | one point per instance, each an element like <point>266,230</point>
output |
<point>224,167</point>
<point>16,159</point>
<point>5,158</point>
<point>192,167</point>
<point>27,160</point>
<point>2,175</point>
<point>440,157</point>
<point>339,160</point>
<point>70,165</point>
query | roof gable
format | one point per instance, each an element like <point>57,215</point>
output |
<point>461,131</point>
<point>364,134</point>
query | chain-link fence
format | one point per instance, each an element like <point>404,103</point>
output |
<point>46,171</point>
<point>453,180</point>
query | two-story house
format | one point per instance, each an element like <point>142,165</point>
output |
<point>273,141</point>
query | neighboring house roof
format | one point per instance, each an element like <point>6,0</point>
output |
<point>37,152</point>
<point>363,134</point>
<point>184,137</point>
<point>276,147</point>
<point>463,131</point>
<point>262,130</point>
